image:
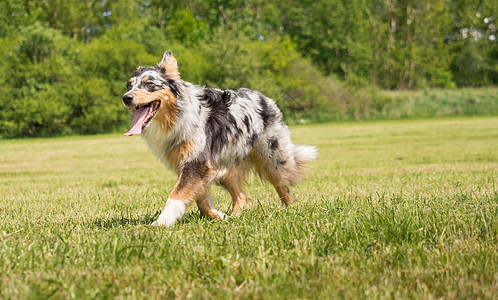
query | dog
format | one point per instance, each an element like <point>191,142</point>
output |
<point>210,136</point>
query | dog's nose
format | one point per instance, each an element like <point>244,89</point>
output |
<point>127,99</point>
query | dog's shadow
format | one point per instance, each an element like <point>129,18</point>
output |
<point>146,219</point>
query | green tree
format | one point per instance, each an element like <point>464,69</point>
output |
<point>39,66</point>
<point>14,15</point>
<point>474,42</point>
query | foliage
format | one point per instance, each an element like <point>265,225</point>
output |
<point>390,209</point>
<point>320,60</point>
<point>39,73</point>
<point>438,103</point>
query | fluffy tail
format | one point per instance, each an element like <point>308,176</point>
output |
<point>286,166</point>
<point>304,154</point>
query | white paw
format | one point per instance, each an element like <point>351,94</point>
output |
<point>173,211</point>
<point>163,222</point>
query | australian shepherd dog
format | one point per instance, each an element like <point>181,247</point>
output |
<point>211,135</point>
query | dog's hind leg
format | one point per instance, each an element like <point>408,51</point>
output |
<point>279,161</point>
<point>274,176</point>
<point>285,194</point>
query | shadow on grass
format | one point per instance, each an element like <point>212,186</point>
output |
<point>130,220</point>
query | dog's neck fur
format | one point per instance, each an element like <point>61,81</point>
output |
<point>188,128</point>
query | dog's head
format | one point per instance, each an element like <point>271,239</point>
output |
<point>151,94</point>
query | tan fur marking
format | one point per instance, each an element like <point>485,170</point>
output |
<point>233,181</point>
<point>261,165</point>
<point>145,79</point>
<point>205,207</point>
<point>281,188</point>
<point>191,182</point>
<point>189,191</point>
<point>167,114</point>
<point>285,194</point>
<point>214,214</point>
<point>203,201</point>
<point>179,153</point>
<point>239,200</point>
<point>171,67</point>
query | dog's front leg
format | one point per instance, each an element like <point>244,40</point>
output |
<point>191,183</point>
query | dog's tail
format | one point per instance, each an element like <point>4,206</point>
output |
<point>303,154</point>
<point>283,167</point>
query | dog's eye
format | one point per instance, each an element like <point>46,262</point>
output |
<point>128,86</point>
<point>149,84</point>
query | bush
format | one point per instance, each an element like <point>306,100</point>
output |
<point>39,67</point>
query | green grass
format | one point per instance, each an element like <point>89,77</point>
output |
<point>433,103</point>
<point>390,209</point>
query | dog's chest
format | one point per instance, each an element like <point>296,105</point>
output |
<point>159,141</point>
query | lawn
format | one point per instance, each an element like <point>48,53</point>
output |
<point>390,209</point>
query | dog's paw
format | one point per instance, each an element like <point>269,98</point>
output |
<point>173,211</point>
<point>218,214</point>
<point>164,221</point>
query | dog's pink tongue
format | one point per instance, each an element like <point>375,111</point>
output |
<point>138,121</point>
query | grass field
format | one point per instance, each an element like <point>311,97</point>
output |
<point>390,209</point>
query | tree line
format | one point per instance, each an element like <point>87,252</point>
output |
<point>64,63</point>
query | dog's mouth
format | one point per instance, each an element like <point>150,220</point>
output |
<point>143,116</point>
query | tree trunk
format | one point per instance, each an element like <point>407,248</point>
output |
<point>391,7</point>
<point>375,40</point>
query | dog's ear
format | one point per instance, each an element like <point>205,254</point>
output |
<point>169,65</point>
